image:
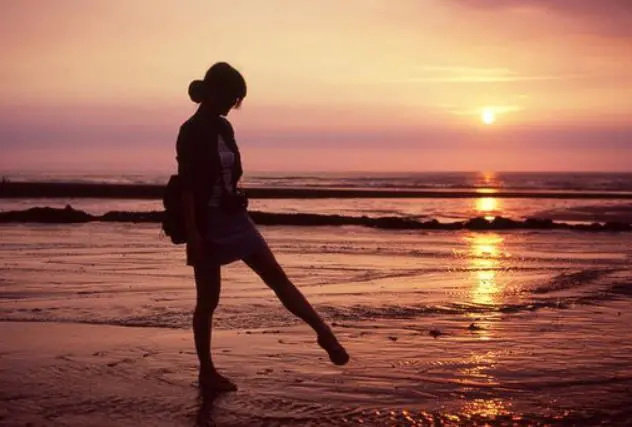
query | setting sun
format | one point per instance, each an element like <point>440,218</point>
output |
<point>421,210</point>
<point>488,116</point>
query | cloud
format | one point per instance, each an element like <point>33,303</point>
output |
<point>464,74</point>
<point>497,109</point>
<point>605,17</point>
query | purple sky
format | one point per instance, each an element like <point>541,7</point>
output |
<point>383,86</point>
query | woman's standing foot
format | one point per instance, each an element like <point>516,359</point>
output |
<point>214,381</point>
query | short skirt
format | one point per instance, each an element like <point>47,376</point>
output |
<point>231,236</point>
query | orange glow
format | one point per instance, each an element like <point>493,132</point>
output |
<point>489,178</point>
<point>486,259</point>
<point>487,407</point>
<point>486,190</point>
<point>116,77</point>
<point>488,116</point>
<point>487,206</point>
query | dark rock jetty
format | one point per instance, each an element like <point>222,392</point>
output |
<point>70,215</point>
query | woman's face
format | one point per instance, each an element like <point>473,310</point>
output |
<point>225,103</point>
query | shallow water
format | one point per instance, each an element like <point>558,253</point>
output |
<point>525,327</point>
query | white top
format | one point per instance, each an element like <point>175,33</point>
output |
<point>227,160</point>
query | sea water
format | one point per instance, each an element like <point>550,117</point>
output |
<point>443,326</point>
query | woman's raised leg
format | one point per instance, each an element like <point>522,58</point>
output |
<point>266,266</point>
<point>207,284</point>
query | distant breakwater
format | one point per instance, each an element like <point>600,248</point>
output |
<point>10,189</point>
<point>68,215</point>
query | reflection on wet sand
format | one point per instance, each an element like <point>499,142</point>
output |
<point>204,415</point>
<point>486,256</point>
<point>485,262</point>
<point>488,408</point>
<point>206,408</point>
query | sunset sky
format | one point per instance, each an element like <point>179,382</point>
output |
<point>352,85</point>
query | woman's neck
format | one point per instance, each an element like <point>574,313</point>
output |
<point>208,110</point>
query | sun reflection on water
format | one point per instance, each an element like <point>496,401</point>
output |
<point>487,206</point>
<point>488,408</point>
<point>486,259</point>
<point>489,178</point>
<point>484,262</point>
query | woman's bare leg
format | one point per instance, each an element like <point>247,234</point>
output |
<point>207,284</point>
<point>266,266</point>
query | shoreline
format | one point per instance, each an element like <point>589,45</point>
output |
<point>10,189</point>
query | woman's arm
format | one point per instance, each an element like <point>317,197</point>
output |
<point>185,157</point>
<point>188,204</point>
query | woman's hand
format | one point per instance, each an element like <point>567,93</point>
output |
<point>196,249</point>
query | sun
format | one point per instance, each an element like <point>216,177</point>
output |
<point>488,116</point>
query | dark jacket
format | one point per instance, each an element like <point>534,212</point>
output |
<point>198,158</point>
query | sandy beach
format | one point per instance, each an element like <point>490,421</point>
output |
<point>110,375</point>
<point>454,327</point>
<point>447,183</point>
<point>78,374</point>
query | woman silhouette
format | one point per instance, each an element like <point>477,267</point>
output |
<point>219,230</point>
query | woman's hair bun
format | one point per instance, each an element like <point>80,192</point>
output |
<point>198,91</point>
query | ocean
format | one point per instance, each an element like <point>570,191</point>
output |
<point>536,186</point>
<point>512,327</point>
<point>544,181</point>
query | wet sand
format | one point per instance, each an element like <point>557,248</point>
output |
<point>74,374</point>
<point>454,327</point>
<point>105,375</point>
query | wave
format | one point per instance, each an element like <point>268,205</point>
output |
<point>603,289</point>
<point>565,281</point>
<point>564,181</point>
<point>10,189</point>
<point>616,212</point>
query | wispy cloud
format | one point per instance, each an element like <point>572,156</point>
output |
<point>606,17</point>
<point>497,109</point>
<point>465,74</point>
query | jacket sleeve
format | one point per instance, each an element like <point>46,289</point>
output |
<point>185,157</point>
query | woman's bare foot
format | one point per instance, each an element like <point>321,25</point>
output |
<point>214,381</point>
<point>337,353</point>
